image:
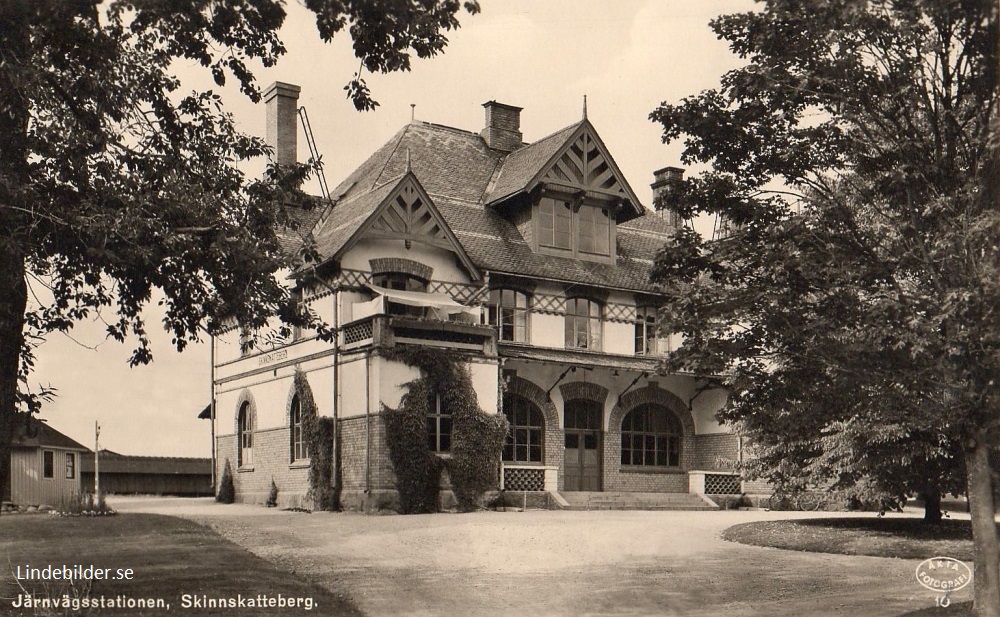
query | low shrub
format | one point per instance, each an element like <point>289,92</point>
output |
<point>227,492</point>
<point>272,496</point>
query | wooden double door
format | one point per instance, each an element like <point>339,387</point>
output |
<point>582,422</point>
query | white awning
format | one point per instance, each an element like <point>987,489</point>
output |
<point>441,302</point>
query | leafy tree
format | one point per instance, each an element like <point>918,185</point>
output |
<point>856,156</point>
<point>113,182</point>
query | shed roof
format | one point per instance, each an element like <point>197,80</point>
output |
<point>112,462</point>
<point>37,434</point>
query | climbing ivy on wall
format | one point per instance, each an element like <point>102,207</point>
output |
<point>418,471</point>
<point>476,441</point>
<point>318,433</point>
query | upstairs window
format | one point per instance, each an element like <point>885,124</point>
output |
<point>645,331</point>
<point>508,313</point>
<point>555,223</point>
<point>594,230</point>
<point>583,231</point>
<point>583,324</point>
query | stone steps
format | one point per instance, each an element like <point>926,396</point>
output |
<point>582,500</point>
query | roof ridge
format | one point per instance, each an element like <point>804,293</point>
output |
<point>445,126</point>
<point>392,152</point>
<point>554,133</point>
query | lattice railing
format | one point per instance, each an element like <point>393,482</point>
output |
<point>722,484</point>
<point>357,332</point>
<point>523,479</point>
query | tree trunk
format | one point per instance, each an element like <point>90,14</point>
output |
<point>13,177</point>
<point>986,581</point>
<point>13,301</point>
<point>932,504</point>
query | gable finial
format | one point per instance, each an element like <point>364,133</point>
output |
<point>408,168</point>
<point>413,112</point>
<point>584,106</point>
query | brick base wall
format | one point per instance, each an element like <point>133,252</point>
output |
<point>363,444</point>
<point>270,462</point>
<point>710,448</point>
<point>644,482</point>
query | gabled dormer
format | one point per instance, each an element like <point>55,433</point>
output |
<point>566,194</point>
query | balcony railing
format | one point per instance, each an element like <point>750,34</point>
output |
<point>390,330</point>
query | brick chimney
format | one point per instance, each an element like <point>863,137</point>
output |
<point>503,126</point>
<point>664,181</point>
<point>281,105</point>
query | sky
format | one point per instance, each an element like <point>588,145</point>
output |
<point>626,56</point>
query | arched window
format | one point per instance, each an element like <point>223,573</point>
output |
<point>508,313</point>
<point>651,437</point>
<point>527,430</point>
<point>438,425</point>
<point>244,436</point>
<point>299,447</point>
<point>399,280</point>
<point>583,324</point>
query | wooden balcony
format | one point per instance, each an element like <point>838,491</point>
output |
<point>390,330</point>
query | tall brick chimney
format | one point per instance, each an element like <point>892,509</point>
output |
<point>281,105</point>
<point>664,181</point>
<point>503,126</point>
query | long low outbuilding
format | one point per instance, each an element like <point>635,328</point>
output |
<point>122,474</point>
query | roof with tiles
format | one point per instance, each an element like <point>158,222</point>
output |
<point>461,174</point>
<point>37,434</point>
<point>523,164</point>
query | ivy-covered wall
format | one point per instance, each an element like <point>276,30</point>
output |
<point>477,436</point>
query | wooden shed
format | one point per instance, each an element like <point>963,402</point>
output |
<point>123,474</point>
<point>45,465</point>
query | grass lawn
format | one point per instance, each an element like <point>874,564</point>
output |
<point>169,557</point>
<point>906,538</point>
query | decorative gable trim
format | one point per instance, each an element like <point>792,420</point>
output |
<point>583,165</point>
<point>409,214</point>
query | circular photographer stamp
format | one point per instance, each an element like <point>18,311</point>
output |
<point>943,575</point>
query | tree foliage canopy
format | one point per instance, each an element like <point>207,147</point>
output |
<point>854,309</point>
<point>115,182</point>
<point>867,283</point>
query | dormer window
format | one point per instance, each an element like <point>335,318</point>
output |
<point>582,230</point>
<point>555,224</point>
<point>594,230</point>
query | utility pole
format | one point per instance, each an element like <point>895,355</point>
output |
<point>97,465</point>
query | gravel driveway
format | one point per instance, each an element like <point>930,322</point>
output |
<point>541,563</point>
